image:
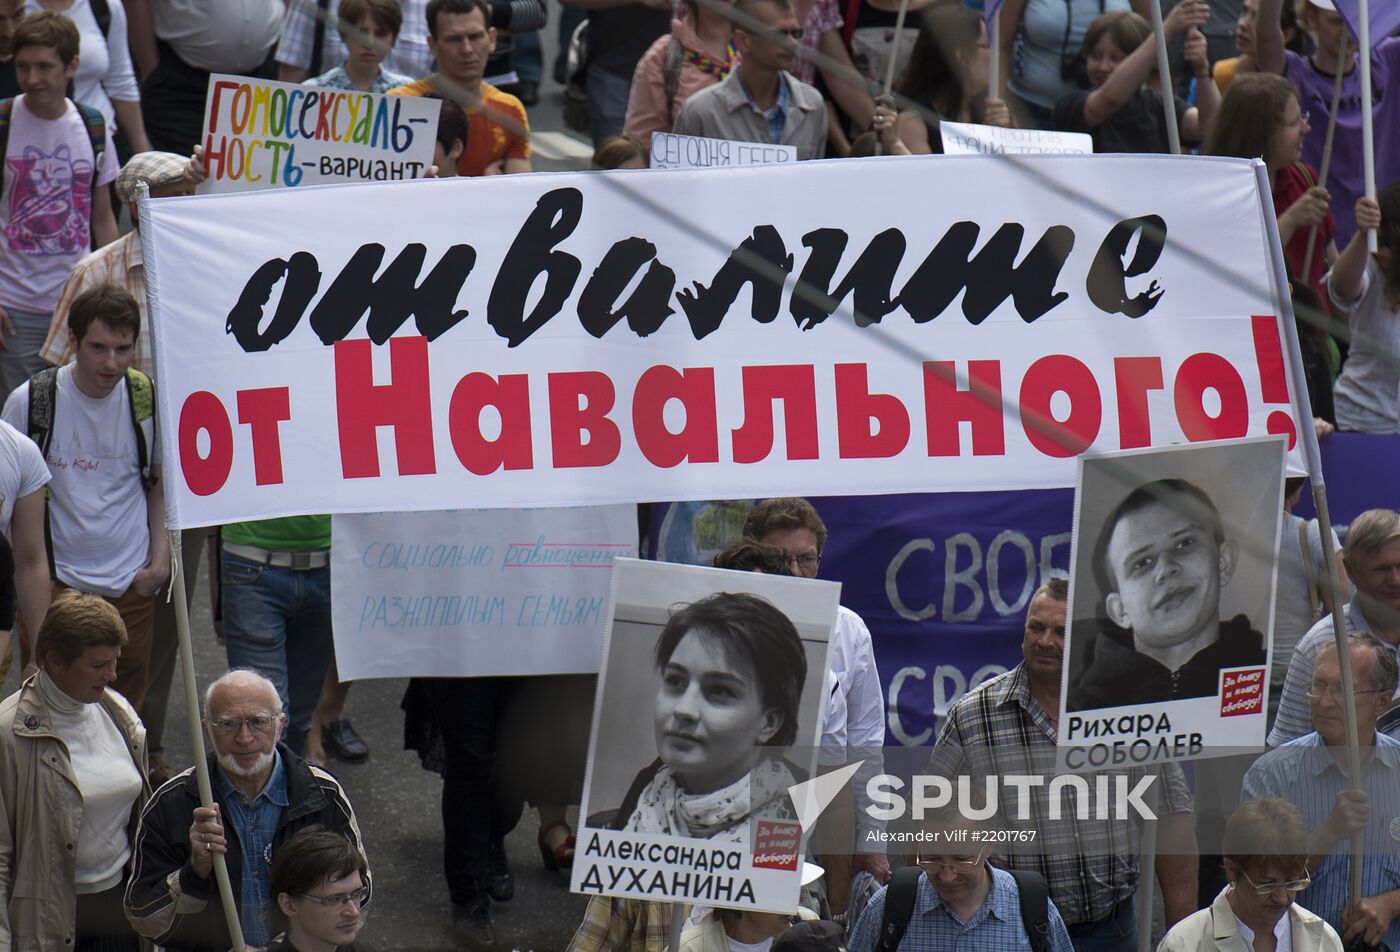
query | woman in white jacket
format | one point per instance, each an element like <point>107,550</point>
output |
<point>1256,911</point>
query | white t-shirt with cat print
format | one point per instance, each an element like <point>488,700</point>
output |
<point>46,204</point>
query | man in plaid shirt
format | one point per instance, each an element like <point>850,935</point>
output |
<point>1008,725</point>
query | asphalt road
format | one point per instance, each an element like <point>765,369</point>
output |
<point>399,803</point>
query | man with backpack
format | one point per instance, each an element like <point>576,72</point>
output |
<point>1007,726</point>
<point>94,421</point>
<point>53,203</point>
<point>954,899</point>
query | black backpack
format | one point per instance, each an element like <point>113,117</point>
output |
<point>904,889</point>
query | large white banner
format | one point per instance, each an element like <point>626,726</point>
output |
<point>469,593</point>
<point>933,324</point>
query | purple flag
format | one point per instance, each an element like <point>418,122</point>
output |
<point>990,8</point>
<point>1385,17</point>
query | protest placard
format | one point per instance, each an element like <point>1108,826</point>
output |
<point>712,683</point>
<point>573,343</point>
<point>1171,603</point>
<point>671,151</point>
<point>966,138</point>
<point>263,134</point>
<point>470,593</point>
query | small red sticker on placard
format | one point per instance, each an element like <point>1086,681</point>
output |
<point>776,844</point>
<point>1241,691</point>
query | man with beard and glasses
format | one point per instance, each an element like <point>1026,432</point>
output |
<point>266,794</point>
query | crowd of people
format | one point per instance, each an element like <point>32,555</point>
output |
<point>106,845</point>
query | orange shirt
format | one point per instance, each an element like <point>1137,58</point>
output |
<point>497,128</point>
<point>1224,73</point>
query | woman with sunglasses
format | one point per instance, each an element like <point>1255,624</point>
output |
<point>320,880</point>
<point>72,784</point>
<point>1266,871</point>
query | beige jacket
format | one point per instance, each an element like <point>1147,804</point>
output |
<point>42,811</point>
<point>1217,928</point>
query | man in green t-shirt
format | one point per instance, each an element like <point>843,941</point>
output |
<point>275,585</point>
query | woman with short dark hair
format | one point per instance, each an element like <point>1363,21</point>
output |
<point>730,671</point>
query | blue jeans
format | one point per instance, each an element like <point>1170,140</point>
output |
<point>528,57</point>
<point>22,360</point>
<point>1115,934</point>
<point>607,103</point>
<point>278,622</point>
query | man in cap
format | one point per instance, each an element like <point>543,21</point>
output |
<point>120,262</point>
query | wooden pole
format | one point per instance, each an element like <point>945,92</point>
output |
<point>1313,457</point>
<point>1164,72</point>
<point>1368,148</point>
<point>1326,167</point>
<point>201,766</point>
<point>994,42</point>
<point>894,50</point>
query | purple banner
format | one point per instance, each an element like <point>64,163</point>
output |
<point>1360,471</point>
<point>943,580</point>
<point>1384,16</point>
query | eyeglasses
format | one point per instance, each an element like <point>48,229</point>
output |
<point>358,897</point>
<point>808,561</point>
<point>1264,890</point>
<point>1321,689</point>
<point>257,723</point>
<point>1302,120</point>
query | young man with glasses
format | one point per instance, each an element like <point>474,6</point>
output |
<point>962,901</point>
<point>760,100</point>
<point>264,792</point>
<point>1310,772</point>
<point>320,883</point>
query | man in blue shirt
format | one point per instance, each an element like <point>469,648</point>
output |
<point>263,793</point>
<point>962,902</point>
<point>1310,772</point>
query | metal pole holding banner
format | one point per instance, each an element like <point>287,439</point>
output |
<point>1368,148</point>
<point>1164,73</point>
<point>1307,435</point>
<point>994,60</point>
<point>892,62</point>
<point>201,766</point>
<point>894,50</point>
<point>1326,166</point>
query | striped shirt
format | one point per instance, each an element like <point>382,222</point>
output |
<point>338,79</point>
<point>1304,773</point>
<point>1090,865</point>
<point>118,263</point>
<point>1295,710</point>
<point>996,927</point>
